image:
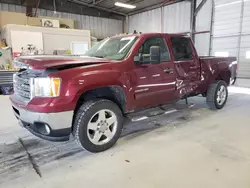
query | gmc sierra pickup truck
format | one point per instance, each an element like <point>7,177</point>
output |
<point>87,97</point>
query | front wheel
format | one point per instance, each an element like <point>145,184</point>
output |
<point>98,125</point>
<point>217,95</point>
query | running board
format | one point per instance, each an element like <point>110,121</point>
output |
<point>158,111</point>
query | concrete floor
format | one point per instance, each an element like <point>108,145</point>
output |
<point>243,83</point>
<point>193,147</point>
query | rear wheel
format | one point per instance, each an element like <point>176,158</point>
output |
<point>98,125</point>
<point>217,95</point>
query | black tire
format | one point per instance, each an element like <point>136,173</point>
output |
<point>212,95</point>
<point>83,116</point>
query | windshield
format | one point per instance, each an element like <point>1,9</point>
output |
<point>112,48</point>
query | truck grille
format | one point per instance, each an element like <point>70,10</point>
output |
<point>22,86</point>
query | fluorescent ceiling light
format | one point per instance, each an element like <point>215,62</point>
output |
<point>124,5</point>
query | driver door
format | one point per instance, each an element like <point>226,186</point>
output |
<point>154,85</point>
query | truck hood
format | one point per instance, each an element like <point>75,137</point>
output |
<point>44,62</point>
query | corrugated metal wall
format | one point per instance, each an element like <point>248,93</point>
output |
<point>146,22</point>
<point>231,32</point>
<point>12,8</point>
<point>177,17</point>
<point>203,23</point>
<point>226,27</point>
<point>99,27</point>
<point>173,18</point>
<point>244,53</point>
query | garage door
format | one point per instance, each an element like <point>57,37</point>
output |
<point>231,32</point>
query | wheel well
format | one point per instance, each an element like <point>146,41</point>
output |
<point>225,76</point>
<point>112,93</point>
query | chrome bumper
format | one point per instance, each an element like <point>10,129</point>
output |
<point>56,121</point>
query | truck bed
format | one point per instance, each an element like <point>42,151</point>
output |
<point>231,61</point>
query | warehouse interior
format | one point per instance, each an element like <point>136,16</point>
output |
<point>182,144</point>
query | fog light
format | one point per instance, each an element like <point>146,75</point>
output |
<point>42,128</point>
<point>47,129</point>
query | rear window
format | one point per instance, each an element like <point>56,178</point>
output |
<point>181,48</point>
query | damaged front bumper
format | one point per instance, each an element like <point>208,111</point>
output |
<point>48,126</point>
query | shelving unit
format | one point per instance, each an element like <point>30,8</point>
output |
<point>6,77</point>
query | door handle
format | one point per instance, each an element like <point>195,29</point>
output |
<point>168,70</point>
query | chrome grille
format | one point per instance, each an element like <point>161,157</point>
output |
<point>22,86</point>
<point>22,81</point>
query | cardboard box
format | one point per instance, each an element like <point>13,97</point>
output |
<point>68,22</point>
<point>34,21</point>
<point>22,19</point>
<point>12,18</point>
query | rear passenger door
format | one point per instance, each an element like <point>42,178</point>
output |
<point>186,63</point>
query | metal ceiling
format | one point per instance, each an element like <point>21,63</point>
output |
<point>109,6</point>
<point>99,8</point>
<point>140,4</point>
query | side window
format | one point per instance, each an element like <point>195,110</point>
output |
<point>154,41</point>
<point>181,48</point>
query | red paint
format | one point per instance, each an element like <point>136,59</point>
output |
<point>16,54</point>
<point>144,85</point>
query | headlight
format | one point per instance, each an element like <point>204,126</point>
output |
<point>45,87</point>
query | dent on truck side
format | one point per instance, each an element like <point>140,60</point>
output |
<point>224,72</point>
<point>213,70</point>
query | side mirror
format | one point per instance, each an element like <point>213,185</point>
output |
<point>155,54</point>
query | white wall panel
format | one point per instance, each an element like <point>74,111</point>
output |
<point>203,19</point>
<point>203,23</point>
<point>244,65</point>
<point>246,18</point>
<point>224,2</point>
<point>177,17</point>
<point>234,22</point>
<point>227,20</point>
<point>227,44</point>
<point>202,43</point>
<point>99,27</point>
<point>146,22</point>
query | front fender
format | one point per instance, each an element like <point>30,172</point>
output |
<point>97,79</point>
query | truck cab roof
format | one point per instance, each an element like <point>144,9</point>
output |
<point>152,34</point>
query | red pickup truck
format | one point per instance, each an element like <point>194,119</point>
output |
<point>88,97</point>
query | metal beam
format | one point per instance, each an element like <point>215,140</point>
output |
<point>54,5</point>
<point>97,2</point>
<point>240,32</point>
<point>211,28</point>
<point>200,32</point>
<point>95,6</point>
<point>202,3</point>
<point>193,19</point>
